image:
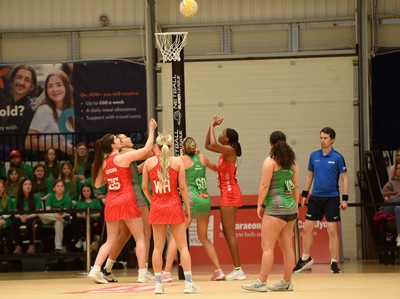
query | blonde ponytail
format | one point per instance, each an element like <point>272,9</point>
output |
<point>164,141</point>
<point>165,163</point>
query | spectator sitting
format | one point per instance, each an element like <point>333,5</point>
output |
<point>52,164</point>
<point>25,207</point>
<point>25,170</point>
<point>82,165</point>
<point>391,193</point>
<point>40,184</point>
<point>79,222</point>
<point>72,184</point>
<point>57,200</point>
<point>396,162</point>
<point>6,205</point>
<point>99,193</point>
<point>12,183</point>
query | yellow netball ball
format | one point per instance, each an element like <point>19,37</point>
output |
<point>188,8</point>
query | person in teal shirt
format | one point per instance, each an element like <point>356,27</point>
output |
<point>57,200</point>
<point>24,214</point>
<point>79,221</point>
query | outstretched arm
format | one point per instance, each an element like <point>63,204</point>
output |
<point>129,156</point>
<point>207,163</point>
<point>211,142</point>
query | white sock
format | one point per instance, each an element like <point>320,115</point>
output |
<point>142,271</point>
<point>158,277</point>
<point>305,257</point>
<point>96,268</point>
<point>188,276</point>
<point>109,265</point>
<point>333,261</point>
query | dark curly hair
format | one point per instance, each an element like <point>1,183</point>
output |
<point>281,152</point>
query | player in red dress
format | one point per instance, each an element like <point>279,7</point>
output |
<point>166,173</point>
<point>231,197</point>
<point>120,204</point>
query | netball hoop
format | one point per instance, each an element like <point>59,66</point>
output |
<point>171,44</point>
<point>171,47</point>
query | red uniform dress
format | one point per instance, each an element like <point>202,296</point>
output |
<point>166,206</point>
<point>227,182</point>
<point>120,199</point>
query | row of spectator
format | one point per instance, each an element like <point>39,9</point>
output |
<point>51,185</point>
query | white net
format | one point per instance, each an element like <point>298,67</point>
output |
<point>171,44</point>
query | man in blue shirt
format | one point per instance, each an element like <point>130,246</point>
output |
<point>325,167</point>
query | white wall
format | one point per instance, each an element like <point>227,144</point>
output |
<point>296,96</point>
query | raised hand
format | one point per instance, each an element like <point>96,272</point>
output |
<point>153,124</point>
<point>217,120</point>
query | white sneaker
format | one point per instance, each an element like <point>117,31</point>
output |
<point>146,277</point>
<point>109,276</point>
<point>97,277</point>
<point>191,288</point>
<point>158,288</point>
<point>257,286</point>
<point>282,286</point>
<point>78,244</point>
<point>236,275</point>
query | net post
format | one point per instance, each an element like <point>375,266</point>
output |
<point>171,46</point>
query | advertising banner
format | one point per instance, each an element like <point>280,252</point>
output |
<point>55,102</point>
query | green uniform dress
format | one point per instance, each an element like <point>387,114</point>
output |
<point>200,204</point>
<point>279,200</point>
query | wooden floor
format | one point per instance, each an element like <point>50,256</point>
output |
<point>360,279</point>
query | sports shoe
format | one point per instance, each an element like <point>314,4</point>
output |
<point>335,268</point>
<point>31,249</point>
<point>97,277</point>
<point>282,286</point>
<point>218,275</point>
<point>147,277</point>
<point>166,277</point>
<point>236,275</point>
<point>158,288</point>
<point>191,288</point>
<point>257,286</point>
<point>302,265</point>
<point>17,250</point>
<point>109,276</point>
<point>78,245</point>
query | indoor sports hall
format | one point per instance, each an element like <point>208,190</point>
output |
<point>264,65</point>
